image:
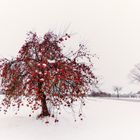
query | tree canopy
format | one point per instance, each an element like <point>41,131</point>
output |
<point>45,76</point>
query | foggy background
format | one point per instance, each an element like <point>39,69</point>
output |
<point>111,29</point>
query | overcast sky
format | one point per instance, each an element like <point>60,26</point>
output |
<point>111,29</point>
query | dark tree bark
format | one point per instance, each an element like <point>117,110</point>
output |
<point>45,111</point>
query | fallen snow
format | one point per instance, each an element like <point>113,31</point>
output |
<point>104,119</point>
<point>28,80</point>
<point>44,65</point>
<point>51,61</point>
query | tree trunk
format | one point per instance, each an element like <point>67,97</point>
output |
<point>45,111</point>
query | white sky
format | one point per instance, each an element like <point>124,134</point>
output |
<point>110,27</point>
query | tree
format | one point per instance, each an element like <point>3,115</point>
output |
<point>45,76</point>
<point>117,90</point>
<point>135,73</point>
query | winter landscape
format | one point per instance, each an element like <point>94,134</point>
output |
<point>104,119</point>
<point>69,70</point>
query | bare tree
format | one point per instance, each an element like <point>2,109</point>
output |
<point>135,73</point>
<point>117,89</point>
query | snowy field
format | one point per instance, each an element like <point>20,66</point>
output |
<point>105,119</point>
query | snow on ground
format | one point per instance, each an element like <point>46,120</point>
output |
<point>104,119</point>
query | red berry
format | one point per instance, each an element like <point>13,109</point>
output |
<point>60,39</point>
<point>47,122</point>
<point>56,120</point>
